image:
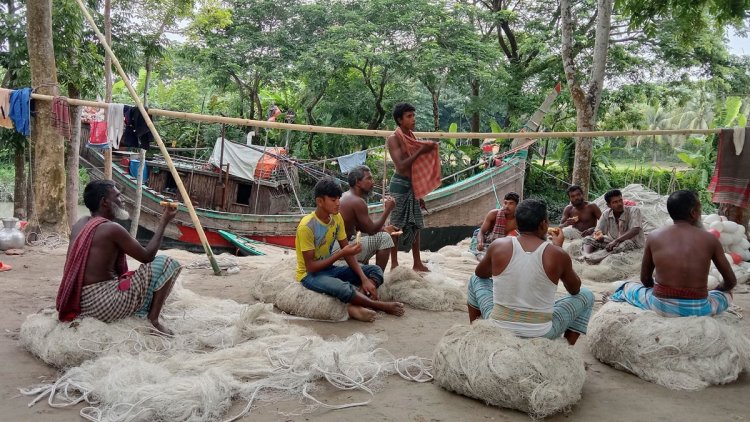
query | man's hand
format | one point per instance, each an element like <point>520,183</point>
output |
<point>169,214</point>
<point>587,232</point>
<point>570,221</point>
<point>480,246</point>
<point>427,146</point>
<point>389,203</point>
<point>612,245</point>
<point>390,229</point>
<point>557,236</point>
<point>369,289</point>
<point>351,249</point>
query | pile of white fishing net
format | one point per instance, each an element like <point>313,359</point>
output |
<point>686,353</point>
<point>221,351</point>
<point>537,376</point>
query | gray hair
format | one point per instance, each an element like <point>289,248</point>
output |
<point>356,174</point>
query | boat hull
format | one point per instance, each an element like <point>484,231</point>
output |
<point>453,212</point>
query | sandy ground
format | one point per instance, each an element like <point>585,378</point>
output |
<point>608,394</point>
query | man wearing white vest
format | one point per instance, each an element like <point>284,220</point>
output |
<point>515,283</point>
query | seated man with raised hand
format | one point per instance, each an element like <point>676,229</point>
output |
<point>96,281</point>
<point>498,223</point>
<point>676,262</point>
<point>353,284</point>
<point>619,230</point>
<point>377,238</point>
<point>515,283</point>
<point>580,215</point>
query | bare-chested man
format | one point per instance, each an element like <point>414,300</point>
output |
<point>676,263</point>
<point>580,215</point>
<point>376,238</point>
<point>498,223</point>
<point>407,188</point>
<point>96,281</point>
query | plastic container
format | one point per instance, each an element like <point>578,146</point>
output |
<point>134,164</point>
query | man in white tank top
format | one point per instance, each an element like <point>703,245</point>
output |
<point>515,283</point>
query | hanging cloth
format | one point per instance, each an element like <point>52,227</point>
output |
<point>5,108</point>
<point>137,134</point>
<point>348,162</point>
<point>115,124</point>
<point>730,183</point>
<point>98,135</point>
<point>20,110</point>
<point>425,170</point>
<point>739,139</point>
<point>61,116</point>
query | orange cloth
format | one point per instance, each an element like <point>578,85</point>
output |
<point>425,170</point>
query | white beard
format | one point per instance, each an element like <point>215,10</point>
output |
<point>121,213</point>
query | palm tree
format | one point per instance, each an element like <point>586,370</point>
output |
<point>655,117</point>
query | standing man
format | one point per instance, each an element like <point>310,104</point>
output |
<point>377,238</point>
<point>579,217</point>
<point>96,281</point>
<point>498,223</point>
<point>353,284</point>
<point>619,230</point>
<point>417,174</point>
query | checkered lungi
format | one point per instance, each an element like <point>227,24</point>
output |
<point>370,245</point>
<point>407,215</point>
<point>624,246</point>
<point>106,301</point>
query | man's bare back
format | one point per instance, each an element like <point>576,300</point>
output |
<point>104,252</point>
<point>680,256</point>
<point>350,206</point>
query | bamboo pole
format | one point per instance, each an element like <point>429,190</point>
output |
<point>107,83</point>
<point>385,167</point>
<point>162,147</point>
<point>385,133</point>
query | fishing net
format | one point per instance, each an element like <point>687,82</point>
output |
<point>432,291</point>
<point>221,351</point>
<point>537,376</point>
<point>686,353</point>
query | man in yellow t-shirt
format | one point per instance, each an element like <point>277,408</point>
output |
<point>354,284</point>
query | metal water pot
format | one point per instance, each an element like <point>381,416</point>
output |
<point>10,236</point>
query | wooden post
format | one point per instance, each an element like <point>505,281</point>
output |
<point>385,168</point>
<point>157,137</point>
<point>135,221</point>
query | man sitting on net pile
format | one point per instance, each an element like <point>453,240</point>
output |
<point>377,239</point>
<point>580,216</point>
<point>352,284</point>
<point>676,263</point>
<point>619,230</point>
<point>515,283</point>
<point>96,281</point>
<point>498,223</point>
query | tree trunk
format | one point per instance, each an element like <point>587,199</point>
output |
<point>475,115</point>
<point>19,190</point>
<point>49,185</point>
<point>147,81</point>
<point>72,158</point>
<point>108,81</point>
<point>586,102</point>
<point>583,151</point>
<point>435,93</point>
<point>30,177</point>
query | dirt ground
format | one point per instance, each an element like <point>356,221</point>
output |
<point>608,395</point>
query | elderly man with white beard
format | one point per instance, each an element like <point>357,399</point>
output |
<point>96,281</point>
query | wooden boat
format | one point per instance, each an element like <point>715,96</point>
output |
<point>256,207</point>
<point>247,246</point>
<point>453,211</point>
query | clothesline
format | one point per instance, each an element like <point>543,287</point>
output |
<point>385,133</point>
